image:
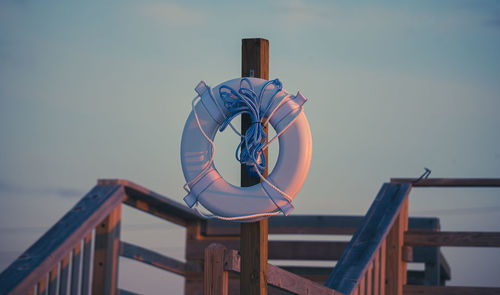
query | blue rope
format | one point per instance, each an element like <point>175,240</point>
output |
<point>246,101</point>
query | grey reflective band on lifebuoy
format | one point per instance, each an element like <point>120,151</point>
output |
<point>288,108</point>
<point>202,184</point>
<point>209,103</point>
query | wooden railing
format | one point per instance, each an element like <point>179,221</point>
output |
<point>79,254</point>
<point>374,262</point>
<point>88,238</point>
<point>450,239</point>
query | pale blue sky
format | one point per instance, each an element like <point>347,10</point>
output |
<point>102,89</point>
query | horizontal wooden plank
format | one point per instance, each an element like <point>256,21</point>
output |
<point>60,239</point>
<point>294,224</point>
<point>156,259</point>
<point>320,274</point>
<point>457,239</point>
<point>311,225</point>
<point>279,250</point>
<point>366,241</point>
<point>280,278</point>
<point>315,274</point>
<point>153,203</point>
<point>458,182</point>
<point>448,290</point>
<point>427,254</point>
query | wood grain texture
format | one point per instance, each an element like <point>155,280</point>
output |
<point>215,281</point>
<point>41,286</point>
<point>395,273</point>
<point>448,290</point>
<point>75,269</point>
<point>253,235</point>
<point>106,253</point>
<point>254,63</point>
<point>280,250</point>
<point>311,225</point>
<point>457,239</point>
<point>153,203</point>
<point>369,279</point>
<point>156,259</point>
<point>53,274</point>
<point>376,274</point>
<point>86,263</point>
<point>64,275</point>
<point>367,240</point>
<point>383,260</point>
<point>280,278</point>
<point>193,281</point>
<point>254,254</point>
<point>294,224</point>
<point>443,182</point>
<point>59,240</point>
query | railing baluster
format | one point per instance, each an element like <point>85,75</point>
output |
<point>64,275</point>
<point>106,253</point>
<point>75,268</point>
<point>383,261</point>
<point>87,249</point>
<point>53,280</point>
<point>376,274</point>
<point>42,286</point>
<point>361,286</point>
<point>369,280</point>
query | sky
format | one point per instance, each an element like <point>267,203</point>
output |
<point>94,89</point>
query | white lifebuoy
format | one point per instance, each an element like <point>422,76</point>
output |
<point>267,198</point>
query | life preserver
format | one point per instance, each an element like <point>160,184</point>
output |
<point>269,197</point>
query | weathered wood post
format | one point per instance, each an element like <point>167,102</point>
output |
<point>253,235</point>
<point>106,254</point>
<point>215,280</point>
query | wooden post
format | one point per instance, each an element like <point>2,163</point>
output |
<point>215,277</point>
<point>107,245</point>
<point>253,237</point>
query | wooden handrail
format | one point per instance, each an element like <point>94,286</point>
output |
<point>53,246</point>
<point>366,244</point>
<point>153,203</point>
<point>449,290</point>
<point>456,239</point>
<point>43,258</point>
<point>449,182</point>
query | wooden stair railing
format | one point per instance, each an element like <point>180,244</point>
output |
<point>89,236</point>
<point>450,239</point>
<point>54,262</point>
<point>373,261</point>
